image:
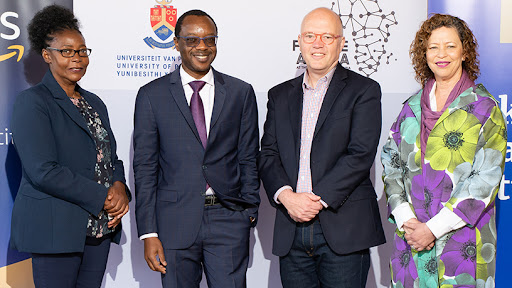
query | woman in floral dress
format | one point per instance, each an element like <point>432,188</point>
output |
<point>443,163</point>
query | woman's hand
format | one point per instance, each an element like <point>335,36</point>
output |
<point>116,203</point>
<point>418,235</point>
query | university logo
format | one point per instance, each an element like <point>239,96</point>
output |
<point>163,20</point>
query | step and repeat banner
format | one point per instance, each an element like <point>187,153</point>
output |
<point>133,44</point>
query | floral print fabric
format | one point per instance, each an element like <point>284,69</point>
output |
<point>103,172</point>
<point>461,170</point>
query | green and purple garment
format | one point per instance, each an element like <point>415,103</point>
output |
<point>462,169</point>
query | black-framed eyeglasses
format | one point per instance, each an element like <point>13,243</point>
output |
<point>70,53</point>
<point>326,38</point>
<point>193,41</point>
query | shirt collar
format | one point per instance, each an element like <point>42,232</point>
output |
<point>326,78</point>
<point>186,78</point>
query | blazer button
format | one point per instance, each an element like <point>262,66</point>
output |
<point>204,167</point>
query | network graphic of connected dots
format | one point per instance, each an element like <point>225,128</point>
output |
<point>370,27</point>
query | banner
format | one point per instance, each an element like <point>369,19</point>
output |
<point>491,23</point>
<point>19,69</point>
<point>133,44</point>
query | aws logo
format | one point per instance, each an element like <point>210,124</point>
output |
<point>163,20</point>
<point>15,49</point>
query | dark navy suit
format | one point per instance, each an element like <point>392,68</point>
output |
<point>58,155</point>
<point>172,168</point>
<point>58,189</point>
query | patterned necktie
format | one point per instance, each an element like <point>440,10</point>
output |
<point>197,109</point>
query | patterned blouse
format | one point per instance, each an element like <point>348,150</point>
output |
<point>97,226</point>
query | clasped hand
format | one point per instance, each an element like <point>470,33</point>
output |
<point>418,235</point>
<point>116,203</point>
<point>302,207</point>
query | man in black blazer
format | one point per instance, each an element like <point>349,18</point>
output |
<point>196,178</point>
<point>319,143</point>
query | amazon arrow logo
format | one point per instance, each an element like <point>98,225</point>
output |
<point>20,51</point>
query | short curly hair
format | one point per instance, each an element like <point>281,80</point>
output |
<point>194,12</point>
<point>51,19</point>
<point>418,50</point>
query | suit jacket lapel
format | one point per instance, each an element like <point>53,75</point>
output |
<point>295,100</point>
<point>219,98</point>
<point>335,87</point>
<point>63,101</point>
<point>178,95</point>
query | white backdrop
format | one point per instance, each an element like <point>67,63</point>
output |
<point>256,44</point>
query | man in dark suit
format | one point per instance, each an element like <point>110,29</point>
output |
<point>196,178</point>
<point>319,143</point>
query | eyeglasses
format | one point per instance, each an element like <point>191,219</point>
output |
<point>70,53</point>
<point>193,41</point>
<point>327,39</point>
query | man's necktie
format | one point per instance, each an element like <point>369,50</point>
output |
<point>197,109</point>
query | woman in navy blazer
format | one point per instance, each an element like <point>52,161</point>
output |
<point>72,193</point>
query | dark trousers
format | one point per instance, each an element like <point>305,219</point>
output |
<point>312,264</point>
<point>70,270</point>
<point>221,249</point>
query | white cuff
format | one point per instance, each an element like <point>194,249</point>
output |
<point>149,235</point>
<point>279,192</point>
<point>402,214</point>
<point>445,221</point>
